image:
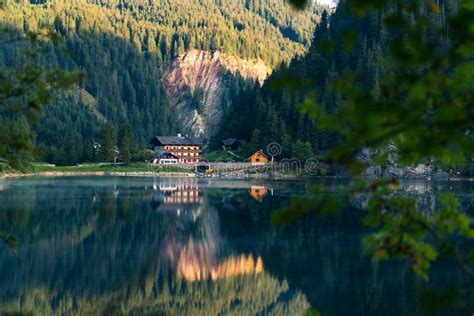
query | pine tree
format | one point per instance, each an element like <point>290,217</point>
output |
<point>299,151</point>
<point>125,143</point>
<point>108,143</point>
<point>255,142</point>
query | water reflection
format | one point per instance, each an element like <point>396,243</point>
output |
<point>258,192</point>
<point>426,194</point>
<point>193,243</point>
<point>128,246</point>
<point>91,246</point>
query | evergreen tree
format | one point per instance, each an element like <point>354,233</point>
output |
<point>108,143</point>
<point>301,151</point>
<point>255,142</point>
<point>125,143</point>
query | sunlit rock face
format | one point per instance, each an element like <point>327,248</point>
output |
<point>199,77</point>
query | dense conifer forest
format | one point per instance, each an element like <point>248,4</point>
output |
<point>125,46</point>
<point>342,44</point>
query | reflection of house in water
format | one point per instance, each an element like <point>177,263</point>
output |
<point>193,246</point>
<point>182,195</point>
<point>176,192</point>
<point>258,192</point>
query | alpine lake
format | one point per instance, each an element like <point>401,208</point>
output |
<point>198,246</point>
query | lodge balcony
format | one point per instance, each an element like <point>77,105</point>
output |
<point>184,150</point>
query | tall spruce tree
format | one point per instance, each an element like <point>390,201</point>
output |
<point>125,143</point>
<point>108,143</point>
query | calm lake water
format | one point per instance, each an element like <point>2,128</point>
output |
<point>104,246</point>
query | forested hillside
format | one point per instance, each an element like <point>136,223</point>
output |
<point>124,47</point>
<point>266,29</point>
<point>342,44</point>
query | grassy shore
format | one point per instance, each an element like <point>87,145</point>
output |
<point>220,155</point>
<point>5,168</point>
<point>94,168</point>
<point>134,167</point>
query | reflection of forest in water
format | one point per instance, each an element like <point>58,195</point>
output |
<point>190,246</point>
<point>128,246</point>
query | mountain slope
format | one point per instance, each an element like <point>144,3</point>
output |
<point>266,115</point>
<point>125,47</point>
<point>196,85</point>
<point>274,115</point>
<point>267,29</point>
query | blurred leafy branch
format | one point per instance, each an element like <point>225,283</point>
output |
<point>25,88</point>
<point>9,240</point>
<point>423,107</point>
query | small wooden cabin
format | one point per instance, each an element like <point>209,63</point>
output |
<point>231,144</point>
<point>259,157</point>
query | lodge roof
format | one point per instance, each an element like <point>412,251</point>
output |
<point>168,156</point>
<point>177,140</point>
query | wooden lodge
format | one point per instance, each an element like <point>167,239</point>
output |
<point>168,159</point>
<point>259,158</point>
<point>184,149</point>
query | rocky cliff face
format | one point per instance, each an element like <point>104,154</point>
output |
<point>195,84</point>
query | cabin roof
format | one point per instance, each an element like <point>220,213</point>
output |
<point>176,140</point>
<point>230,141</point>
<point>259,152</point>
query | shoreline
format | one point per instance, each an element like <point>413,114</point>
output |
<point>95,173</point>
<point>149,174</point>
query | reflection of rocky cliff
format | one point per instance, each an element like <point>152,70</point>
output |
<point>195,250</point>
<point>134,258</point>
<point>426,194</point>
<point>193,245</point>
<point>191,268</point>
